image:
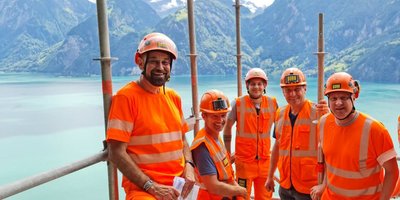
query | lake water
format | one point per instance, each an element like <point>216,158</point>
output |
<point>47,122</point>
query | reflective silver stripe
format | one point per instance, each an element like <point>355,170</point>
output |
<point>120,125</point>
<point>283,152</point>
<point>304,153</point>
<point>242,113</point>
<point>355,193</point>
<point>272,111</point>
<point>253,135</point>
<point>281,122</point>
<point>218,158</point>
<point>155,138</point>
<point>352,174</point>
<point>313,129</point>
<point>322,121</point>
<point>364,143</point>
<point>157,157</point>
<point>298,153</point>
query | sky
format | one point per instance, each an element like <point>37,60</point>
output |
<point>256,3</point>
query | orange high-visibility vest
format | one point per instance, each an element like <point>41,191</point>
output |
<point>253,131</point>
<point>152,125</point>
<point>353,156</point>
<point>221,159</point>
<point>297,148</point>
<point>396,191</point>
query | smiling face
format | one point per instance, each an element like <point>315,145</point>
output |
<point>295,95</point>
<point>340,104</point>
<point>255,87</point>
<point>158,66</point>
<point>214,122</point>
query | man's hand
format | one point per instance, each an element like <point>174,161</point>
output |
<point>270,185</point>
<point>188,174</point>
<point>160,191</point>
<point>317,191</point>
<point>322,108</point>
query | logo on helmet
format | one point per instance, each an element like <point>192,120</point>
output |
<point>336,86</point>
<point>162,45</point>
<point>292,78</point>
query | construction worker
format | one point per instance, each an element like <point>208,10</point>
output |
<point>215,172</point>
<point>360,159</point>
<point>396,192</point>
<point>296,139</point>
<point>254,115</point>
<point>146,129</point>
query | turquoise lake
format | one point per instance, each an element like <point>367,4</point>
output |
<point>47,122</point>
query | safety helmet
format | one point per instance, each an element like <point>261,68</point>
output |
<point>293,77</point>
<point>156,41</point>
<point>342,82</point>
<point>256,73</point>
<point>214,101</point>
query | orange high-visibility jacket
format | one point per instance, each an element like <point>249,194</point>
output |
<point>396,191</point>
<point>253,131</point>
<point>152,125</point>
<point>221,159</point>
<point>297,148</point>
<point>354,155</point>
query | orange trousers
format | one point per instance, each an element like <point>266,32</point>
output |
<point>255,172</point>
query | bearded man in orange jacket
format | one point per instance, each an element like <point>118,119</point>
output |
<point>360,160</point>
<point>254,115</point>
<point>146,129</point>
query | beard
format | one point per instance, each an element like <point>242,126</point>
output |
<point>156,79</point>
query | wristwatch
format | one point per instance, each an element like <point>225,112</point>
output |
<point>190,162</point>
<point>148,185</point>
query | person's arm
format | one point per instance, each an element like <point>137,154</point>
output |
<point>117,154</point>
<point>217,187</point>
<point>228,134</point>
<point>391,176</point>
<point>269,184</point>
<point>188,173</point>
<point>316,191</point>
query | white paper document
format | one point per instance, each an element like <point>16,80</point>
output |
<point>178,184</point>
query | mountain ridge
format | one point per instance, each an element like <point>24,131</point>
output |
<point>357,40</point>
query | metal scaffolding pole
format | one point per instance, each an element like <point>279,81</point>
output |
<point>193,64</point>
<point>238,49</point>
<point>105,60</point>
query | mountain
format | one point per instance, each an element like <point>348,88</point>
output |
<point>167,7</point>
<point>74,55</point>
<point>361,37</point>
<point>29,26</point>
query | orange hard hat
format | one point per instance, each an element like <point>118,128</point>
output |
<point>156,41</point>
<point>214,101</point>
<point>256,73</point>
<point>293,77</point>
<point>342,82</point>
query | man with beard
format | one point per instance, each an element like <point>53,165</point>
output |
<point>146,129</point>
<point>295,148</point>
<point>360,160</point>
<point>254,115</point>
<point>215,173</point>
